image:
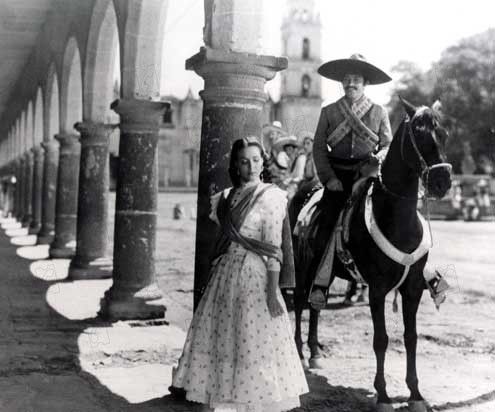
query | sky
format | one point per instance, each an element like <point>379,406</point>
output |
<point>385,31</point>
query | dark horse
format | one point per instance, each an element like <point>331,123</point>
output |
<point>416,152</point>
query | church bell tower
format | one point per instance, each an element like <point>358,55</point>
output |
<point>300,93</point>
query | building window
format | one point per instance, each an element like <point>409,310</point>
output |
<point>306,85</point>
<point>305,49</point>
<point>167,116</point>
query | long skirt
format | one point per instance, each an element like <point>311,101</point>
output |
<point>236,354</point>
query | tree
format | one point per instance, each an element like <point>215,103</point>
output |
<point>464,80</point>
<point>412,84</point>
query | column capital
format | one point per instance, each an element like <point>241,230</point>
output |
<point>236,62</point>
<point>29,155</point>
<point>94,133</point>
<point>38,151</point>
<point>233,75</point>
<point>141,116</point>
<point>50,145</point>
<point>67,139</point>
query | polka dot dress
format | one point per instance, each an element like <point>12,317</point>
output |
<point>236,355</point>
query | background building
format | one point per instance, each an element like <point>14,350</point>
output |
<point>298,108</point>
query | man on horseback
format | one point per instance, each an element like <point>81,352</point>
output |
<point>351,140</point>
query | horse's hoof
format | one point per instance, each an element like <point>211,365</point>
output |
<point>417,406</point>
<point>384,407</point>
<point>304,364</point>
<point>315,363</point>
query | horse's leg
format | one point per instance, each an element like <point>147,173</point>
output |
<point>298,308</point>
<point>314,345</point>
<point>410,303</point>
<point>380,343</point>
<point>350,292</point>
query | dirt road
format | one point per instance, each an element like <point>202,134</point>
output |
<point>456,346</point>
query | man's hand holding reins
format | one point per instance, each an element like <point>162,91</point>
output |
<point>334,185</point>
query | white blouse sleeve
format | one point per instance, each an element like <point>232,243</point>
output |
<point>214,200</point>
<point>274,210</point>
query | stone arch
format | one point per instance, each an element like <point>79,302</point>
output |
<point>102,54</point>
<point>71,88</point>
<point>51,106</point>
<point>38,118</point>
<point>141,49</point>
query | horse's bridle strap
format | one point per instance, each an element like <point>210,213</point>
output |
<point>424,166</point>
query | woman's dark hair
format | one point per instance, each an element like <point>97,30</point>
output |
<point>237,146</point>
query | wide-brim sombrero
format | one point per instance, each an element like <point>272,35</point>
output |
<point>356,64</point>
<point>306,134</point>
<point>283,141</point>
<point>275,126</point>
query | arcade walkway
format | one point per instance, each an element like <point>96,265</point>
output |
<point>56,356</point>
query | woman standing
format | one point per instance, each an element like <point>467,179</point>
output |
<point>239,352</point>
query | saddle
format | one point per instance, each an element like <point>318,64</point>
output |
<point>339,239</point>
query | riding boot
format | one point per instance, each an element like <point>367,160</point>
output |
<point>437,285</point>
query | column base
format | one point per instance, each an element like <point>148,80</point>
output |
<point>34,229</point>
<point>44,239</point>
<point>25,223</point>
<point>100,268</point>
<point>62,252</point>
<point>130,308</point>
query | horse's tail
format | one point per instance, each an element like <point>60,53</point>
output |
<point>304,239</point>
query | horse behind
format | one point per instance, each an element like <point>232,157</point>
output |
<point>416,152</point>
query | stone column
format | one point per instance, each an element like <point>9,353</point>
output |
<point>195,167</point>
<point>15,172</point>
<point>134,285</point>
<point>49,193</point>
<point>186,158</point>
<point>91,260</point>
<point>233,108</point>
<point>63,245</point>
<point>39,157</point>
<point>11,192</point>
<point>28,188</point>
<point>20,189</point>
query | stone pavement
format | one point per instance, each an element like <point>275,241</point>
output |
<point>55,355</point>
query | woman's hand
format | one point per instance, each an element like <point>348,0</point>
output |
<point>274,306</point>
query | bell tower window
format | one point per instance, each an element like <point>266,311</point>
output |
<point>305,49</point>
<point>306,86</point>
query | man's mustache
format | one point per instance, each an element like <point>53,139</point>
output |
<point>350,88</point>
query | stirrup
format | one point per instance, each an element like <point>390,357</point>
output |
<point>317,299</point>
<point>438,287</point>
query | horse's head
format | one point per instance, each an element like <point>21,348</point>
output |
<point>423,142</point>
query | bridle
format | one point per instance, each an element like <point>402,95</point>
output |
<point>425,169</point>
<point>424,174</point>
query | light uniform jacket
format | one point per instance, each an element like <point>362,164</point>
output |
<point>349,148</point>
